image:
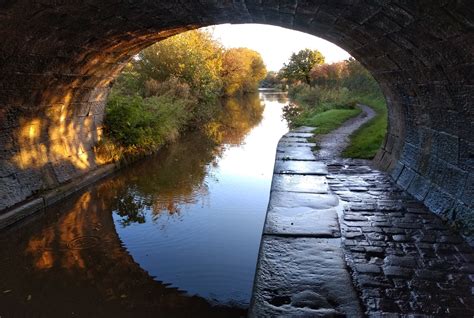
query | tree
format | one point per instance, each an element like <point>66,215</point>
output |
<point>301,64</point>
<point>193,57</point>
<point>329,75</point>
<point>271,80</point>
<point>242,71</point>
<point>359,78</point>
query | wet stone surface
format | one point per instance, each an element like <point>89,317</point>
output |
<point>303,277</point>
<point>289,152</point>
<point>315,201</point>
<point>332,219</point>
<point>404,259</point>
<point>302,129</point>
<point>301,270</point>
<point>300,183</point>
<point>299,139</point>
<point>302,221</point>
<point>297,134</point>
<point>293,144</point>
<point>300,167</point>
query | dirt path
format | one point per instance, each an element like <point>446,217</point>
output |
<point>331,145</point>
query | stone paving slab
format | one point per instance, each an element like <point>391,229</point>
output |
<point>300,167</point>
<point>300,183</point>
<point>302,221</point>
<point>404,260</point>
<point>284,143</point>
<point>304,129</point>
<point>296,199</point>
<point>296,134</point>
<point>293,139</point>
<point>303,277</point>
<point>299,274</point>
<point>294,153</point>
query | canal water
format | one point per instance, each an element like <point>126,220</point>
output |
<point>174,235</point>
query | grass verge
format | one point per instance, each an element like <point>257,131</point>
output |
<point>328,120</point>
<point>366,141</point>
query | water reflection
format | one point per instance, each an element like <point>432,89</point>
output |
<point>237,118</point>
<point>175,234</point>
<point>280,97</point>
<point>73,264</point>
<point>176,175</point>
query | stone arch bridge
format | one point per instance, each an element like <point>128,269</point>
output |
<point>59,57</point>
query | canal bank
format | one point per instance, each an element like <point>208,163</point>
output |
<point>301,269</point>
<point>342,240</point>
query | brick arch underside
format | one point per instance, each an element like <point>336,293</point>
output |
<point>58,58</point>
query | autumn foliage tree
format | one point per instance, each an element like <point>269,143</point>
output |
<point>329,74</point>
<point>300,65</point>
<point>175,85</point>
<point>192,57</point>
<point>242,71</point>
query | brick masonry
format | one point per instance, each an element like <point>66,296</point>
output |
<point>59,58</point>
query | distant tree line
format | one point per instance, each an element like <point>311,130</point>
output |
<point>308,68</point>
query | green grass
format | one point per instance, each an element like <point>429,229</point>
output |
<point>366,141</point>
<point>328,120</point>
<point>328,109</point>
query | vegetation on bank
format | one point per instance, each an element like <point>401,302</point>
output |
<point>327,96</point>
<point>173,86</point>
<point>366,141</point>
<point>323,108</point>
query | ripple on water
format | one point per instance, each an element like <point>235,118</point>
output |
<point>83,242</point>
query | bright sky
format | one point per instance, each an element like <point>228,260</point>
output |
<point>275,44</point>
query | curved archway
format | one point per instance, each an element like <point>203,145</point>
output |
<point>59,58</point>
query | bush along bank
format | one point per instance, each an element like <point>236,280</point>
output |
<point>171,87</point>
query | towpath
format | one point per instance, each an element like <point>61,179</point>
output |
<point>342,240</point>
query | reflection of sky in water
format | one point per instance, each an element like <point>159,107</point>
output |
<point>254,159</point>
<point>209,246</point>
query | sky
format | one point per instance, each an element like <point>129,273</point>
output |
<point>275,44</point>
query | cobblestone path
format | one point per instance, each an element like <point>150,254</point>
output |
<point>404,259</point>
<point>342,240</point>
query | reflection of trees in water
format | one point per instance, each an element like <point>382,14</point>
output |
<point>237,118</point>
<point>72,260</point>
<point>175,176</point>
<point>280,97</point>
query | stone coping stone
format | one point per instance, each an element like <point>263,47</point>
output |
<point>26,209</point>
<point>35,205</point>
<point>304,129</point>
<point>303,277</point>
<point>284,143</point>
<point>300,183</point>
<point>300,167</point>
<point>302,221</point>
<point>295,134</point>
<point>298,199</point>
<point>294,153</point>
<point>294,139</point>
